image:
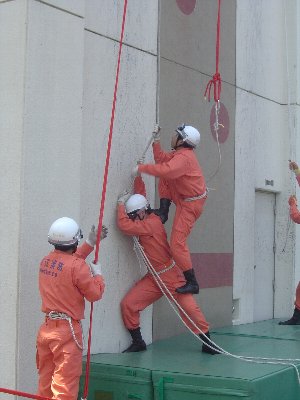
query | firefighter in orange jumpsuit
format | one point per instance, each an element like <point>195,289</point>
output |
<point>65,281</point>
<point>181,182</point>
<point>135,218</point>
<point>295,216</point>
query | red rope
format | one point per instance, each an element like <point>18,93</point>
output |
<point>85,393</point>
<point>110,138</point>
<point>216,80</point>
<point>23,394</point>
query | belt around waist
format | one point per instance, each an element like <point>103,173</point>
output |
<point>59,316</point>
<point>167,268</point>
<point>200,196</point>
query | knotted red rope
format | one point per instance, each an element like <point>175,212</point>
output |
<point>103,195</point>
<point>216,80</point>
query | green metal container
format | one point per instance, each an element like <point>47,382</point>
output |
<point>196,376</point>
<point>117,382</point>
<point>278,386</point>
<point>176,369</point>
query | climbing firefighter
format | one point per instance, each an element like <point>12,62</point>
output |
<point>295,216</point>
<point>65,281</point>
<point>135,218</point>
<point>181,182</point>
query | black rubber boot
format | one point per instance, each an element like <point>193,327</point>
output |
<point>163,210</point>
<point>138,343</point>
<point>191,285</point>
<point>295,320</point>
<point>205,348</point>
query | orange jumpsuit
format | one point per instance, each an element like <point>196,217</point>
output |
<point>181,177</point>
<point>65,281</point>
<point>153,238</point>
<point>295,216</point>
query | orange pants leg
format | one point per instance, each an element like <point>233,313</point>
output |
<point>297,301</point>
<point>185,217</point>
<point>164,189</point>
<point>146,292</point>
<point>143,293</point>
<point>68,363</point>
<point>188,303</point>
<point>44,363</point>
<point>66,358</point>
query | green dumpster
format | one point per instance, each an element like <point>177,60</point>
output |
<point>117,382</point>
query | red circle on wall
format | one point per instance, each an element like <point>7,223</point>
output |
<point>186,6</point>
<point>223,118</point>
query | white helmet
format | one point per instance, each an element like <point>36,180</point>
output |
<point>189,134</point>
<point>135,203</point>
<point>64,232</point>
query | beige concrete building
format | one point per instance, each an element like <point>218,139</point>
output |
<point>57,76</point>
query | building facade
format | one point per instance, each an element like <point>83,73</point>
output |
<point>57,76</point>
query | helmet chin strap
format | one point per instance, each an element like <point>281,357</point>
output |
<point>176,146</point>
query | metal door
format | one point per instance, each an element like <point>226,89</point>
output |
<point>264,256</point>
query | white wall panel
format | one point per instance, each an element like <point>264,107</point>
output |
<point>244,206</point>
<point>73,6</point>
<point>262,152</point>
<point>51,154</point>
<point>105,17</point>
<point>271,147</point>
<point>297,15</point>
<point>134,119</point>
<point>190,40</point>
<point>260,48</point>
<point>12,54</point>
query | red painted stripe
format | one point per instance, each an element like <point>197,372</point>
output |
<point>213,269</point>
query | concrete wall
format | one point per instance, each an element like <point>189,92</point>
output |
<point>12,53</point>
<point>264,142</point>
<point>58,64</point>
<point>57,82</point>
<point>135,116</point>
<point>52,129</point>
<point>187,49</point>
<point>296,111</point>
